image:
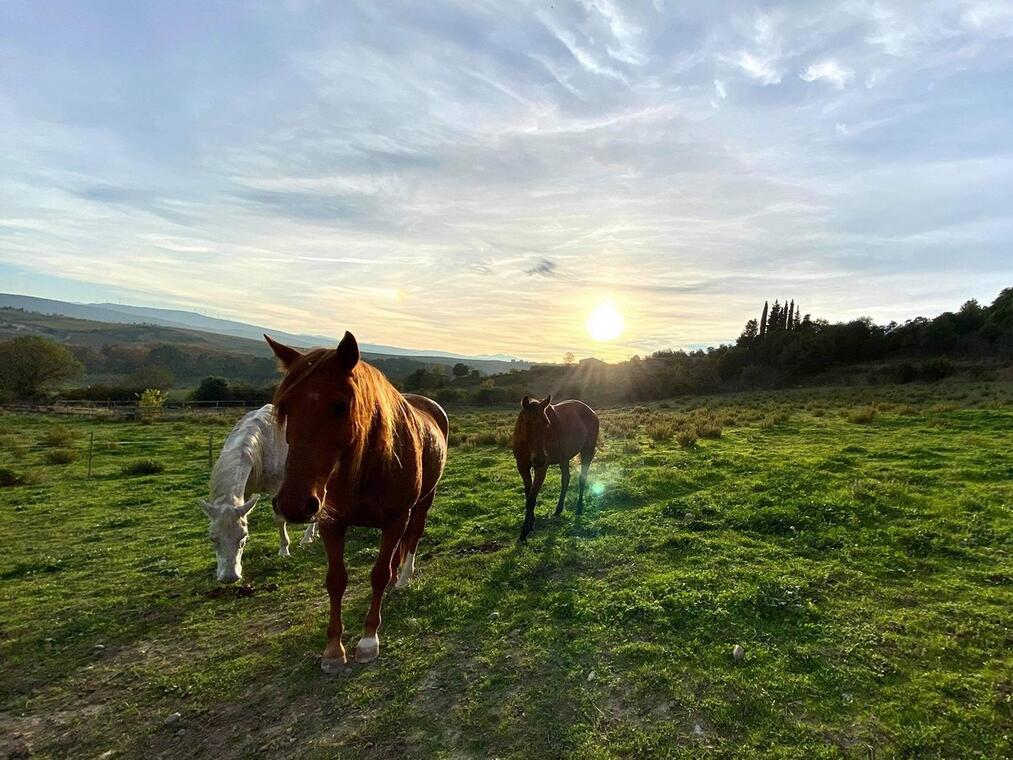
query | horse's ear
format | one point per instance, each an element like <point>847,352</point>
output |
<point>247,506</point>
<point>208,508</point>
<point>286,355</point>
<point>544,403</point>
<point>348,352</point>
<point>526,402</point>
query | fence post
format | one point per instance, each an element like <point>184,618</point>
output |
<point>210,463</point>
<point>91,449</point>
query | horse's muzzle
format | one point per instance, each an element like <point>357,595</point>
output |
<point>296,510</point>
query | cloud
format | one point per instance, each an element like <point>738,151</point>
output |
<point>830,72</point>
<point>398,170</point>
<point>544,267</point>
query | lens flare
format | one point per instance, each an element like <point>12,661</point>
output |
<point>597,488</point>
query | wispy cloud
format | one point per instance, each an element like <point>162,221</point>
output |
<point>434,175</point>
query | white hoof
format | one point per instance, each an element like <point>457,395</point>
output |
<point>368,649</point>
<point>305,540</point>
<point>284,552</point>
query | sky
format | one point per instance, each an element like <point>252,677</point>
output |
<point>480,177</point>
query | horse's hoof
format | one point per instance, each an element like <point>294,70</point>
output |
<point>284,553</point>
<point>332,665</point>
<point>367,650</point>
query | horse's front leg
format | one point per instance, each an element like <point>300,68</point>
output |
<point>368,648</point>
<point>283,542</point>
<point>308,535</point>
<point>337,578</point>
<point>529,504</point>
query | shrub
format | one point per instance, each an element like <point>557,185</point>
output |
<point>709,429</point>
<point>10,479</point>
<point>660,430</point>
<point>151,399</point>
<point>686,437</point>
<point>143,467</point>
<point>60,436</point>
<point>61,456</point>
<point>861,415</point>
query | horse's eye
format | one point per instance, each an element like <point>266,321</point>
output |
<point>340,408</point>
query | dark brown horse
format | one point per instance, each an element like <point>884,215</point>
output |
<point>360,453</point>
<point>546,434</point>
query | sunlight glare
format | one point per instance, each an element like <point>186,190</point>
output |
<point>605,323</point>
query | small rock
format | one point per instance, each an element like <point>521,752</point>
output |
<point>697,729</point>
<point>690,515</point>
<point>493,615</point>
<point>590,676</point>
<point>99,648</point>
<point>173,718</point>
<point>738,653</point>
<point>181,732</point>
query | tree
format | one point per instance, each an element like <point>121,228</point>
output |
<point>461,370</point>
<point>749,333</point>
<point>798,321</point>
<point>790,322</point>
<point>212,389</point>
<point>569,359</point>
<point>763,320</point>
<point>30,364</point>
<point>774,323</point>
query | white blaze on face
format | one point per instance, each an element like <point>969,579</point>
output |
<point>228,533</point>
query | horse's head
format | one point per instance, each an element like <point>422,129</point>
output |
<point>533,428</point>
<point>323,417</point>
<point>228,533</point>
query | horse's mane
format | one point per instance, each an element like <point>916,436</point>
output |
<point>379,414</point>
<point>242,454</point>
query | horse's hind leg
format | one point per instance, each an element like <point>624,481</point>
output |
<point>283,542</point>
<point>585,465</point>
<point>410,542</point>
<point>564,470</point>
<point>368,647</point>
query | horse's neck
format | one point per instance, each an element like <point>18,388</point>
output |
<point>251,461</point>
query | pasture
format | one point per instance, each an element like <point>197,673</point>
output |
<point>856,543</point>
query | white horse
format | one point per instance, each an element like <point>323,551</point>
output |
<point>252,462</point>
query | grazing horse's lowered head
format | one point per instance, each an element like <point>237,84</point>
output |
<point>532,429</point>
<point>228,532</point>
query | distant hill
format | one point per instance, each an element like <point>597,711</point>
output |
<point>122,354</point>
<point>191,320</point>
<point>192,323</point>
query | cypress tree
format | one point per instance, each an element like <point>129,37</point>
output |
<point>775,322</point>
<point>798,321</point>
<point>791,315</point>
<point>763,320</point>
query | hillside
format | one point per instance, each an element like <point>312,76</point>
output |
<point>153,354</point>
<point>194,321</point>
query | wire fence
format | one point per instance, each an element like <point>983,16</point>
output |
<point>129,408</point>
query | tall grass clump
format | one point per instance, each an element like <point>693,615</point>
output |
<point>860,415</point>
<point>660,430</point>
<point>143,467</point>
<point>686,437</point>
<point>59,436</point>
<point>60,456</point>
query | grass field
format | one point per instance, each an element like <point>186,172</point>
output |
<point>856,544</point>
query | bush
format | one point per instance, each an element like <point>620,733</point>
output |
<point>143,467</point>
<point>10,479</point>
<point>60,436</point>
<point>709,429</point>
<point>861,415</point>
<point>686,437</point>
<point>61,456</point>
<point>660,430</point>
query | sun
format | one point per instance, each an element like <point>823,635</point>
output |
<point>605,323</point>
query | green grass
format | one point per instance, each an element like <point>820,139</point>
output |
<point>865,569</point>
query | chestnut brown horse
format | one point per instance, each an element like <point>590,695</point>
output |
<point>360,453</point>
<point>548,433</point>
